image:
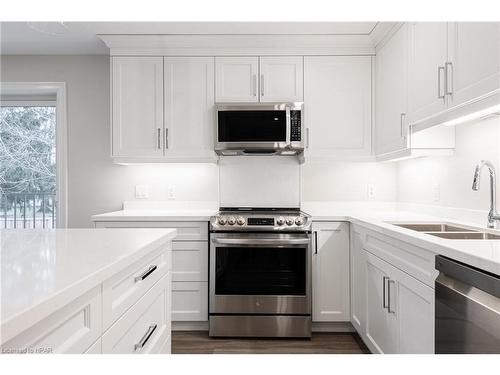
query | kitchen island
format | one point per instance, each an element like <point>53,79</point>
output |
<point>86,290</point>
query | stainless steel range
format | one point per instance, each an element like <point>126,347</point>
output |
<point>260,273</point>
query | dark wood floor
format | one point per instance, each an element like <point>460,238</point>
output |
<point>321,343</point>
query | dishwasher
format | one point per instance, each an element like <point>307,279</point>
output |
<point>467,309</point>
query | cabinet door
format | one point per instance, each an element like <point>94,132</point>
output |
<point>415,310</point>
<point>137,106</point>
<point>236,79</point>
<point>428,54</point>
<point>391,94</point>
<point>189,301</point>
<point>358,280</point>
<point>189,107</point>
<point>381,326</point>
<point>475,56</point>
<point>330,272</point>
<point>338,97</point>
<point>281,79</point>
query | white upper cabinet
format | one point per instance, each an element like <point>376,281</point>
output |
<point>391,130</point>
<point>428,56</point>
<point>338,106</point>
<point>474,60</point>
<point>137,106</point>
<point>189,107</point>
<point>281,79</point>
<point>330,272</point>
<point>237,79</point>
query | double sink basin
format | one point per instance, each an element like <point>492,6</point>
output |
<point>449,231</point>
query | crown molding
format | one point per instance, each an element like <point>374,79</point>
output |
<point>227,45</point>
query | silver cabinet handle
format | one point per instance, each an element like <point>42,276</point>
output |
<point>254,85</point>
<point>402,123</point>
<point>146,273</point>
<point>262,85</point>
<point>440,69</point>
<point>159,139</point>
<point>166,138</point>
<point>448,78</point>
<point>307,137</point>
<point>389,296</point>
<point>146,337</point>
<point>384,294</point>
<point>315,242</point>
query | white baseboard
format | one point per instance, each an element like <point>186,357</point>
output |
<point>316,326</point>
<point>332,327</point>
<point>190,326</point>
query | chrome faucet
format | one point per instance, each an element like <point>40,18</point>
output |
<point>493,216</point>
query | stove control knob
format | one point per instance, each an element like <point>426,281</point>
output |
<point>231,220</point>
<point>222,220</point>
<point>240,220</point>
<point>280,220</point>
<point>289,221</point>
<point>299,220</point>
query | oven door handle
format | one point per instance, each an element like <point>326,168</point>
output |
<point>270,242</point>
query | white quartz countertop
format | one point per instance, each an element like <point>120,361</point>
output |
<point>42,270</point>
<point>483,254</point>
<point>157,215</point>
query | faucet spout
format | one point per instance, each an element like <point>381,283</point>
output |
<point>493,216</point>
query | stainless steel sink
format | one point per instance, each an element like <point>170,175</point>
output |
<point>449,231</point>
<point>465,235</point>
<point>434,227</point>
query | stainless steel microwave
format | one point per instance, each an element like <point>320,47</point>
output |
<point>259,129</point>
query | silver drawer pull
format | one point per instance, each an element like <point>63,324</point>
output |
<point>146,273</point>
<point>146,337</point>
<point>389,296</point>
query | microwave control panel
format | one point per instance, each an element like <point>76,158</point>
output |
<point>295,128</point>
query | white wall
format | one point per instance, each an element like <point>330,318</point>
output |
<point>95,184</point>
<point>418,179</point>
<point>347,181</point>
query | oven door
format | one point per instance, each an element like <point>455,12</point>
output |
<point>260,273</point>
<point>256,127</point>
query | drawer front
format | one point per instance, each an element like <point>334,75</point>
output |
<point>189,301</point>
<point>186,230</point>
<point>72,329</point>
<point>190,261</point>
<point>144,328</point>
<point>125,288</point>
<point>415,261</point>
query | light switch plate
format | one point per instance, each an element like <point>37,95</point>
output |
<point>371,191</point>
<point>171,192</point>
<point>436,192</point>
<point>141,191</point>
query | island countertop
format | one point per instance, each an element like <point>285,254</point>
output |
<point>43,270</point>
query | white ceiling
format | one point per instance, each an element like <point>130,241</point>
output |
<point>80,38</point>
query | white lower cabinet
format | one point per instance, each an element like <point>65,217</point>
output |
<point>72,329</point>
<point>330,272</point>
<point>145,327</point>
<point>400,310</point>
<point>189,266</point>
<point>189,301</point>
<point>357,259</point>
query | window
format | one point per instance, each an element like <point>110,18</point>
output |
<point>28,173</point>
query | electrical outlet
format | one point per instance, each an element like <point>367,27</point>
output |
<point>371,191</point>
<point>436,192</point>
<point>171,192</point>
<point>141,191</point>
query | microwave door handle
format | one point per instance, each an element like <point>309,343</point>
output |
<point>288,125</point>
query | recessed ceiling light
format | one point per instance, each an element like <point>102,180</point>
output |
<point>49,28</point>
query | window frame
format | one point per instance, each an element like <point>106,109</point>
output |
<point>39,94</point>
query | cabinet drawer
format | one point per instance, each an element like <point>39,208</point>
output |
<point>145,327</point>
<point>190,261</point>
<point>186,230</point>
<point>189,301</point>
<point>122,290</point>
<point>72,329</point>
